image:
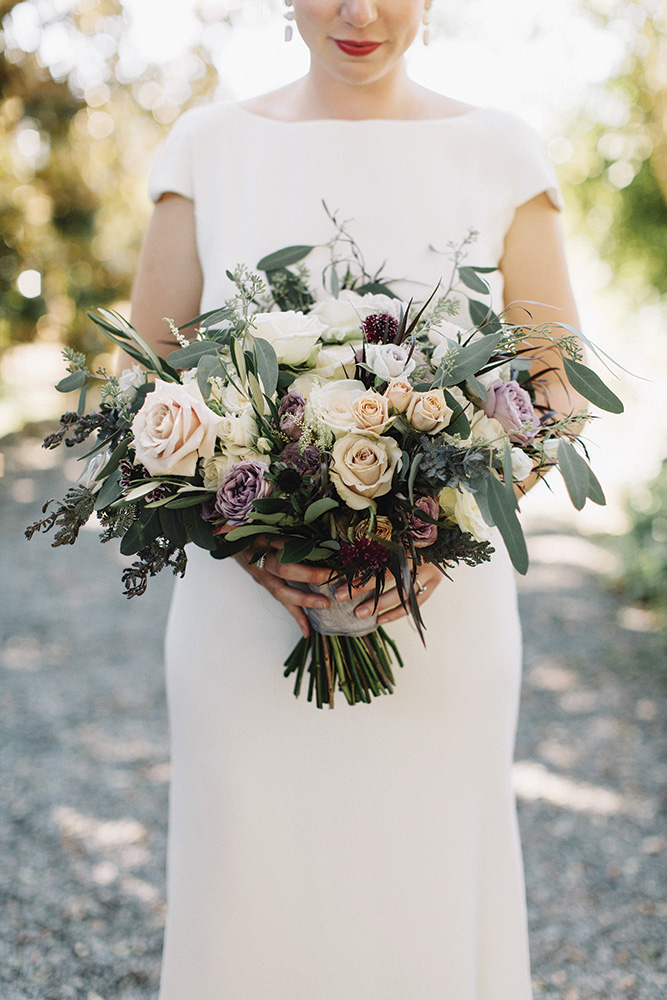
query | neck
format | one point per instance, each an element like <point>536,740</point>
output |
<point>319,95</point>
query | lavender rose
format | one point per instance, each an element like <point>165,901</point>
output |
<point>291,412</point>
<point>306,462</point>
<point>423,532</point>
<point>511,406</point>
<point>242,485</point>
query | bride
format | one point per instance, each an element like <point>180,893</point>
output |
<point>369,853</point>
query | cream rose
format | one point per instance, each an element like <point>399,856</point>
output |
<point>371,412</point>
<point>292,335</point>
<point>428,411</point>
<point>131,378</point>
<point>231,400</point>
<point>460,506</point>
<point>363,468</point>
<point>173,429</point>
<point>398,394</point>
<point>333,404</point>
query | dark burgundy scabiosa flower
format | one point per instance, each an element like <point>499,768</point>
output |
<point>243,484</point>
<point>423,532</point>
<point>129,476</point>
<point>290,412</point>
<point>364,555</point>
<point>380,328</point>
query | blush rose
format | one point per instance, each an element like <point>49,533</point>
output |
<point>173,429</point>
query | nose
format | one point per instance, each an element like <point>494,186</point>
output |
<point>359,13</point>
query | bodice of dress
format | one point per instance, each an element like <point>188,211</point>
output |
<point>407,189</point>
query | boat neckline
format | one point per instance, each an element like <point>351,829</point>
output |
<point>356,121</point>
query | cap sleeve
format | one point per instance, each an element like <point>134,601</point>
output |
<point>532,171</point>
<point>173,168</point>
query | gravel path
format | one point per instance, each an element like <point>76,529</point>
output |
<point>83,768</point>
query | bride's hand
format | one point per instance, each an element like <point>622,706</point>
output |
<point>389,606</point>
<point>276,576</point>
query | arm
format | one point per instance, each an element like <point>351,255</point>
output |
<point>535,271</point>
<point>169,283</point>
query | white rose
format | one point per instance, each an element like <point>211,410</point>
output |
<point>550,449</point>
<point>292,335</point>
<point>342,317</point>
<point>132,378</point>
<point>488,429</point>
<point>460,506</point>
<point>333,404</point>
<point>504,373</point>
<point>335,361</point>
<point>88,477</point>
<point>440,337</point>
<point>363,468</point>
<point>389,361</point>
<point>173,429</point>
<point>238,429</point>
<point>233,401</point>
<point>522,464</point>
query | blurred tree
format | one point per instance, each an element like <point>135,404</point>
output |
<point>79,115</point>
<point>617,167</point>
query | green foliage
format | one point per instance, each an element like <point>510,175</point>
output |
<point>617,173</point>
<point>74,140</point>
<point>644,547</point>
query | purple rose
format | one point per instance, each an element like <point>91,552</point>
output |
<point>423,532</point>
<point>291,412</point>
<point>243,484</point>
<point>306,461</point>
<point>511,406</point>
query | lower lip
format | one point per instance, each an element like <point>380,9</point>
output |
<point>358,50</point>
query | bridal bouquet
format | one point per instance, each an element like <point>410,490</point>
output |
<point>338,426</point>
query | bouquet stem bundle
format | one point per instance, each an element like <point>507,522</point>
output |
<point>360,666</point>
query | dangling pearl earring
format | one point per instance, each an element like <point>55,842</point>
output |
<point>289,17</point>
<point>426,20</point>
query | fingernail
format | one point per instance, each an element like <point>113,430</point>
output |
<point>363,612</point>
<point>321,604</point>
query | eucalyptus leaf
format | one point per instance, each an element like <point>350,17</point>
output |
<point>466,360</point>
<point>507,472</point>
<point>459,424</point>
<point>71,382</point>
<point>595,491</point>
<point>296,550</point>
<point>471,280</point>
<point>483,316</point>
<point>189,357</point>
<point>414,469</point>
<point>172,526</point>
<point>575,472</point>
<point>140,534</point>
<point>502,507</point>
<point>110,491</point>
<point>114,459</point>
<point>318,508</point>
<point>267,365</point>
<point>376,288</point>
<point>477,388</point>
<point>591,386</point>
<point>283,258</point>
<point>199,531</point>
<point>256,393</point>
<point>247,530</point>
<point>209,367</point>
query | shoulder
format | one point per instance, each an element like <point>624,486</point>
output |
<point>203,118</point>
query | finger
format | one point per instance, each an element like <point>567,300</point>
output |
<point>301,619</point>
<point>299,572</point>
<point>292,596</point>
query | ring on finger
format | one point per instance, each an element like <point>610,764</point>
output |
<point>421,588</point>
<point>261,561</point>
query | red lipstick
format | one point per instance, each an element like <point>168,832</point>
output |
<point>356,48</point>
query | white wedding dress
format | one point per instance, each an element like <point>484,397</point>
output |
<point>365,853</point>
